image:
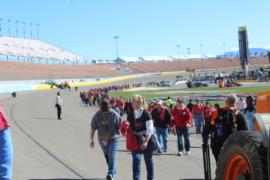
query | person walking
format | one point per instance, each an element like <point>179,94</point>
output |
<point>207,111</point>
<point>142,128</point>
<point>6,149</point>
<point>107,122</point>
<point>180,123</point>
<point>197,111</point>
<point>223,122</point>
<point>161,117</point>
<point>58,105</point>
<point>241,104</point>
<point>250,111</point>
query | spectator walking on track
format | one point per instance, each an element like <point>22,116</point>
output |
<point>161,117</point>
<point>58,105</point>
<point>142,129</point>
<point>6,150</point>
<point>197,111</point>
<point>107,122</point>
<point>181,121</point>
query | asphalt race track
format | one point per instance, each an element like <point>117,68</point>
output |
<point>48,149</point>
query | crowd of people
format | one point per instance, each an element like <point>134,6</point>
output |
<point>147,126</point>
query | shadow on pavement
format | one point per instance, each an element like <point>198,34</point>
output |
<point>44,118</point>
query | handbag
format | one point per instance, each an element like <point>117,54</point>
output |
<point>158,147</point>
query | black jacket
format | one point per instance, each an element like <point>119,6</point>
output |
<point>158,122</point>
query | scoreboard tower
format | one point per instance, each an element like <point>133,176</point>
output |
<point>243,50</point>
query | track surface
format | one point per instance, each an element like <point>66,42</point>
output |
<point>46,148</point>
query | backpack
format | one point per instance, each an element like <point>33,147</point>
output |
<point>224,125</point>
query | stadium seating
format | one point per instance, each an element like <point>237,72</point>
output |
<point>36,49</point>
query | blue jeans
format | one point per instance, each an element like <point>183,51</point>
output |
<point>180,132</point>
<point>148,158</point>
<point>6,154</point>
<point>109,151</point>
<point>198,122</point>
<point>162,135</point>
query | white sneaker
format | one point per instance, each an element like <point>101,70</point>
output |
<point>188,153</point>
<point>180,153</point>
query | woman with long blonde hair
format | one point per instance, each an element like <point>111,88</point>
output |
<point>142,127</point>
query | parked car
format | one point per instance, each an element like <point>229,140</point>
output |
<point>191,84</point>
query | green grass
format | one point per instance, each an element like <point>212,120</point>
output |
<point>147,93</point>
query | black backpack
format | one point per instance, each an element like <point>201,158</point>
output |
<point>224,125</point>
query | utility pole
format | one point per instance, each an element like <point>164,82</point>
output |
<point>116,45</point>
<point>178,59</point>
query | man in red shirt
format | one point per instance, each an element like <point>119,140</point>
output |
<point>180,123</point>
<point>6,152</point>
<point>197,111</point>
<point>207,111</point>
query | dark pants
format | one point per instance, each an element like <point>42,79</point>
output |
<point>183,132</point>
<point>59,110</point>
<point>216,147</point>
<point>148,159</point>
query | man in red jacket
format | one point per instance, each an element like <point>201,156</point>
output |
<point>180,123</point>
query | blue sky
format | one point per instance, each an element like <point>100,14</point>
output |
<point>145,27</point>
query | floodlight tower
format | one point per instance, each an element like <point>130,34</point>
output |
<point>31,33</point>
<point>1,27</point>
<point>8,27</point>
<point>37,31</point>
<point>201,48</point>
<point>17,34</point>
<point>178,53</point>
<point>24,29</point>
<point>243,50</point>
<point>116,45</point>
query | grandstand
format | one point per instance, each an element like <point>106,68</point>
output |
<point>24,49</point>
<point>31,71</point>
<point>21,49</point>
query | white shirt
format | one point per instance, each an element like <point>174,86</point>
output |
<point>59,100</point>
<point>149,123</point>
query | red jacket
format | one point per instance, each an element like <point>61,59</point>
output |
<point>181,118</point>
<point>197,109</point>
<point>207,112</point>
<point>131,140</point>
<point>3,119</point>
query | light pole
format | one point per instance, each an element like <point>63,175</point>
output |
<point>1,27</point>
<point>178,59</point>
<point>31,33</point>
<point>201,48</point>
<point>8,27</point>
<point>17,28</point>
<point>23,29</point>
<point>188,51</point>
<point>37,31</point>
<point>224,49</point>
<point>116,45</point>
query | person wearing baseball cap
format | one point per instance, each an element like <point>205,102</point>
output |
<point>180,123</point>
<point>161,117</point>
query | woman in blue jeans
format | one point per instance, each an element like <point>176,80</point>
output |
<point>142,127</point>
<point>6,150</point>
<point>107,122</point>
